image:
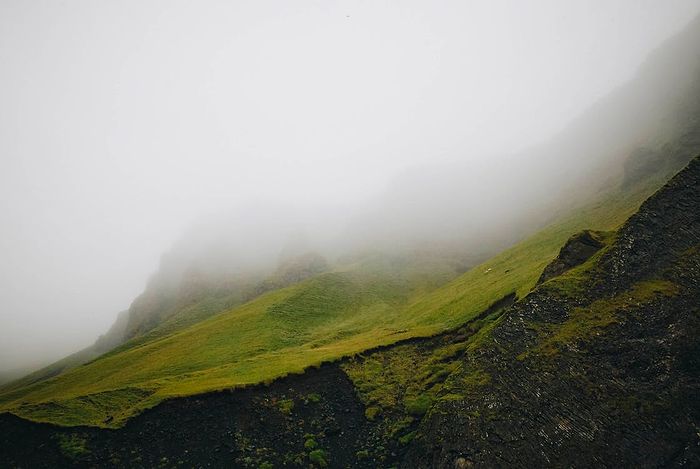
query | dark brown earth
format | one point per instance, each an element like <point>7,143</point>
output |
<point>244,428</point>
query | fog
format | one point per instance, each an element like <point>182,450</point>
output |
<point>129,130</point>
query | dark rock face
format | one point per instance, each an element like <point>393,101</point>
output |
<point>606,376</point>
<point>577,250</point>
<point>246,428</point>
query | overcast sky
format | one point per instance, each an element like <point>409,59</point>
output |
<point>122,122</point>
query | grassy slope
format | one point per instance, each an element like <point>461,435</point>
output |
<point>54,369</point>
<point>198,312</point>
<point>518,268</point>
<point>285,331</point>
<point>403,383</point>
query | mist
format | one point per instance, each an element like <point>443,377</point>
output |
<point>135,136</point>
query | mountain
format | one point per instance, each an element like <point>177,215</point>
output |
<point>211,294</point>
<point>648,128</point>
<point>377,301</point>
<point>562,333</point>
<point>597,363</point>
<point>488,204</point>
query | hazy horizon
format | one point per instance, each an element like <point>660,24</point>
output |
<point>125,125</point>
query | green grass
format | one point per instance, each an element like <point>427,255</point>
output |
<point>319,458</point>
<point>54,369</point>
<point>584,323</point>
<point>400,380</point>
<point>286,406</point>
<point>401,384</point>
<point>73,446</point>
<point>341,313</point>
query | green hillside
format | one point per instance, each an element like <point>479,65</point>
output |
<point>374,302</point>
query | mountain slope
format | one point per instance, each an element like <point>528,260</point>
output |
<point>285,331</point>
<point>105,343</point>
<point>247,330</point>
<point>281,332</point>
<point>597,366</point>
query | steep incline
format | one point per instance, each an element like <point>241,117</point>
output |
<point>221,313</point>
<point>598,366</point>
<point>324,318</point>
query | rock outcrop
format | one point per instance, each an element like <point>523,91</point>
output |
<point>577,250</point>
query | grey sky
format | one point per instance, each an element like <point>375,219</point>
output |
<point>123,122</point>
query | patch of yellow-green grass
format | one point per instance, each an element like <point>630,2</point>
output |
<point>87,408</point>
<point>402,382</point>
<point>399,385</point>
<point>482,337</point>
<point>330,316</point>
<point>400,378</point>
<point>73,446</point>
<point>466,382</point>
<point>586,322</point>
<point>286,406</point>
<point>54,369</point>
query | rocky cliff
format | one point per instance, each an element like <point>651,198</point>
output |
<point>597,367</point>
